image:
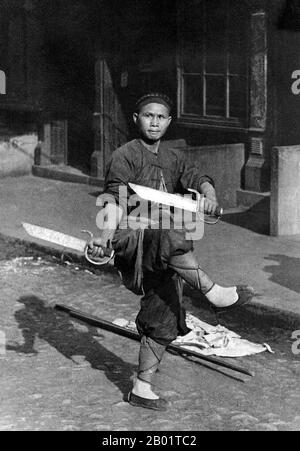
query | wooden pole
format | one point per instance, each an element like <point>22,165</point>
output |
<point>107,325</point>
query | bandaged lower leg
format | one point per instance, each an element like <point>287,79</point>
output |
<point>188,268</point>
<point>150,356</point>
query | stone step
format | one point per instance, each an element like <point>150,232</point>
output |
<point>251,198</point>
<point>66,174</point>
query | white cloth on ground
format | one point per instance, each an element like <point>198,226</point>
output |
<point>206,339</point>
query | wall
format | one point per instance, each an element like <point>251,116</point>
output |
<point>288,118</point>
<point>284,59</point>
<point>17,155</point>
<point>224,164</point>
<point>47,52</point>
<point>140,38</point>
<point>285,193</point>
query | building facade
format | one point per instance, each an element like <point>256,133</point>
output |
<point>74,68</point>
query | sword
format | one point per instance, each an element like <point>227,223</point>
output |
<point>172,200</point>
<point>68,241</point>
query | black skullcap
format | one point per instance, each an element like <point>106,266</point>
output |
<point>154,97</point>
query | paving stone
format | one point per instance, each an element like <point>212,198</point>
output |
<point>64,375</point>
<point>281,425</point>
<point>270,417</point>
<point>215,418</point>
<point>266,427</point>
<point>244,418</point>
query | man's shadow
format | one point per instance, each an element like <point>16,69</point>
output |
<point>286,273</point>
<point>38,320</point>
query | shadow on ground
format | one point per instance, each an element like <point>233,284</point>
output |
<point>38,320</point>
<point>96,193</point>
<point>285,271</point>
<point>11,248</point>
<point>256,218</point>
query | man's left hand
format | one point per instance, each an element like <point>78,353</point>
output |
<point>209,203</point>
<point>208,206</point>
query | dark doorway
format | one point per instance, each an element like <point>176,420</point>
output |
<point>80,123</point>
<point>101,56</point>
<point>70,33</point>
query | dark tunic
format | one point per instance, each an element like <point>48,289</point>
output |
<point>134,163</point>
<point>142,255</point>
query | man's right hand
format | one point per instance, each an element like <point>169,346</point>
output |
<point>111,217</point>
<point>95,247</point>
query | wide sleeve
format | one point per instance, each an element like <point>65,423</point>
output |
<point>120,170</point>
<point>191,177</point>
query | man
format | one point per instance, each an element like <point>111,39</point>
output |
<point>153,260</point>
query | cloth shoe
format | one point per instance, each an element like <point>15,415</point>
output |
<point>153,404</point>
<point>245,295</point>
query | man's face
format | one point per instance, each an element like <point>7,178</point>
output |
<point>153,121</point>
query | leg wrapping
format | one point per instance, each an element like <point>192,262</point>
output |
<point>187,267</point>
<point>150,356</point>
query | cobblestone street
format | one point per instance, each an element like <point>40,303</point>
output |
<point>58,374</point>
<point>159,139</point>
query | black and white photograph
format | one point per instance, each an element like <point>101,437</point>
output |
<point>149,218</point>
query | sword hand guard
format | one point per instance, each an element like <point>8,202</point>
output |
<point>108,253</point>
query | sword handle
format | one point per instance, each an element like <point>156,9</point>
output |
<point>108,253</point>
<point>219,211</point>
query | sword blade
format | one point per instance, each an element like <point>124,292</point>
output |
<point>161,197</point>
<point>54,237</point>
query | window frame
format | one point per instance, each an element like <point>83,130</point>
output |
<point>191,119</point>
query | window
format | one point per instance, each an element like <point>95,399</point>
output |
<point>212,62</point>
